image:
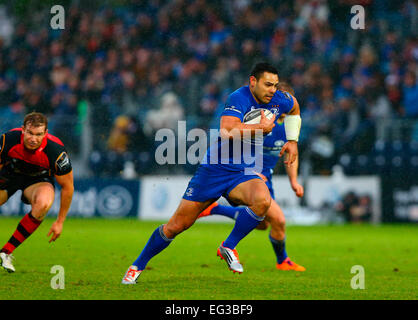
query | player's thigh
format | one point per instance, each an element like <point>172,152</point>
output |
<point>3,197</point>
<point>185,215</point>
<point>253,192</point>
<point>275,215</point>
<point>41,195</point>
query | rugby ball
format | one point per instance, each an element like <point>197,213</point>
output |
<point>254,116</point>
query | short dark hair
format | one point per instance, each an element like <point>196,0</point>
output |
<point>35,119</point>
<point>262,67</point>
<point>285,86</point>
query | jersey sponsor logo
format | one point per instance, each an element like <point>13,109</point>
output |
<point>232,108</point>
<point>63,162</point>
<point>275,110</point>
<point>189,192</point>
<point>279,143</point>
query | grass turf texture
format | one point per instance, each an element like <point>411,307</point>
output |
<point>96,253</point>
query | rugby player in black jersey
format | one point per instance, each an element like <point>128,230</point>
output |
<point>30,160</point>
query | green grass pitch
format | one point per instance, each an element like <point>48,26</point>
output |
<point>95,254</point>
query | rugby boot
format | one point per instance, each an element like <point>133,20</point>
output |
<point>6,262</point>
<point>231,258</point>
<point>287,264</point>
<point>131,276</point>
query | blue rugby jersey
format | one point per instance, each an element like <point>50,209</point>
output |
<point>238,104</point>
<point>273,144</point>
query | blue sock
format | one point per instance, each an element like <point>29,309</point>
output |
<point>230,212</point>
<point>156,243</point>
<point>279,247</point>
<point>247,220</point>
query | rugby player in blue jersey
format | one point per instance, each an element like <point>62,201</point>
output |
<point>272,146</point>
<point>231,179</point>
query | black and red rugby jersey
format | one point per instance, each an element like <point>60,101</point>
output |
<point>49,159</point>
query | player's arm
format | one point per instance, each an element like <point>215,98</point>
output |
<point>292,173</point>
<point>292,124</point>
<point>67,189</point>
<point>296,109</point>
<point>66,182</point>
<point>231,126</point>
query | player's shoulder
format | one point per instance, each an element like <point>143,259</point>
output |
<point>16,132</point>
<point>284,99</point>
<point>283,95</point>
<point>12,137</point>
<point>238,103</point>
<point>57,155</point>
<point>240,96</point>
<point>54,146</point>
<point>54,140</point>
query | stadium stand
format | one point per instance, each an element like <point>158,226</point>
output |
<point>172,60</point>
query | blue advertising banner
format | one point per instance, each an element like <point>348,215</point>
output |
<point>92,198</point>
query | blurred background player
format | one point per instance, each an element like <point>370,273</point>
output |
<point>271,148</point>
<point>30,158</point>
<point>216,177</point>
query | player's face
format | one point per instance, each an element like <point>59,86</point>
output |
<point>265,87</point>
<point>33,136</point>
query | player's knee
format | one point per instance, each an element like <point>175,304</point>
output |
<point>261,204</point>
<point>174,228</point>
<point>41,205</point>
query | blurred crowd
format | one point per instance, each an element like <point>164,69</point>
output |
<point>147,64</point>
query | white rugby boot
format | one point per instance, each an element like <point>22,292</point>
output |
<point>6,262</point>
<point>231,258</point>
<point>131,276</point>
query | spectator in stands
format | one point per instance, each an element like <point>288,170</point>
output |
<point>355,208</point>
<point>126,142</point>
<point>122,60</point>
<point>410,95</point>
<point>378,105</point>
<point>168,115</point>
<point>347,120</point>
<point>119,135</point>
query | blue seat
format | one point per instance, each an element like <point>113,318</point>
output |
<point>346,162</point>
<point>363,164</point>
